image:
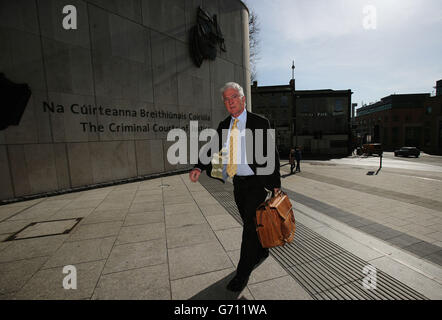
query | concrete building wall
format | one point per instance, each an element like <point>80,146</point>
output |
<point>129,57</point>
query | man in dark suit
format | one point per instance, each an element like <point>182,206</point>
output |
<point>249,182</point>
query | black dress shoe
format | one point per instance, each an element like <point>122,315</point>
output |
<point>237,284</point>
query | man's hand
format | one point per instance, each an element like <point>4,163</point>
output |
<point>194,175</point>
<point>276,190</point>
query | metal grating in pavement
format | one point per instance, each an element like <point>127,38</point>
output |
<point>325,270</point>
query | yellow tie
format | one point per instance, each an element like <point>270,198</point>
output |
<point>231,165</point>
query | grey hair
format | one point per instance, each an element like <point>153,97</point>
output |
<point>232,85</point>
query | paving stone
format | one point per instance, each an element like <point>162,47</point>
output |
<point>7,211</point>
<point>201,201</point>
<point>38,214</point>
<point>141,198</point>
<point>115,204</point>
<point>95,230</point>
<point>220,222</point>
<point>31,248</point>
<point>435,235</point>
<point>197,259</point>
<point>178,199</point>
<point>189,235</point>
<point>144,218</point>
<point>185,219</point>
<point>380,227</point>
<point>136,255</point>
<point>8,227</point>
<point>423,248</point>
<point>105,216</point>
<point>368,229</point>
<point>140,233</point>
<point>385,235</point>
<point>360,222</point>
<point>83,203</point>
<point>208,286</point>
<point>47,284</point>
<point>170,209</point>
<point>435,257</point>
<point>230,238</point>
<point>71,253</point>
<point>72,213</point>
<point>145,207</point>
<point>212,210</point>
<point>13,275</point>
<point>146,283</point>
<point>284,288</point>
<point>269,269</point>
<point>404,240</point>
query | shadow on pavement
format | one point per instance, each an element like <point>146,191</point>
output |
<point>218,291</point>
<point>286,175</point>
<point>371,173</point>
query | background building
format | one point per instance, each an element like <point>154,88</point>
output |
<point>276,104</point>
<point>316,120</point>
<point>403,120</point>
<point>105,95</point>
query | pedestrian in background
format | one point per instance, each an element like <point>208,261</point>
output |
<point>292,160</point>
<point>298,157</point>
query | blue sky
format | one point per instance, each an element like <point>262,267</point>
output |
<point>333,50</point>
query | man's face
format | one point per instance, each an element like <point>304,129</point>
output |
<point>233,102</point>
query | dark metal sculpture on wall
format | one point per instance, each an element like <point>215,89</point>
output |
<point>205,37</point>
<point>14,98</point>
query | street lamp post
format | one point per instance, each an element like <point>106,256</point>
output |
<point>293,126</point>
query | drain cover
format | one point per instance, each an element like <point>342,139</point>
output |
<point>45,228</point>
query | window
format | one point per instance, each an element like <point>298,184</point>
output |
<point>339,105</point>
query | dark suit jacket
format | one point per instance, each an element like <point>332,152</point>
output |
<point>254,121</point>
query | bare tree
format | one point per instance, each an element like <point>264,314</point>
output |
<point>254,30</point>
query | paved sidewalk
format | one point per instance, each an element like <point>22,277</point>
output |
<point>329,258</point>
<point>168,238</point>
<point>402,207</point>
<point>164,238</point>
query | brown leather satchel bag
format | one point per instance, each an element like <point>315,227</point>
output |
<point>275,221</point>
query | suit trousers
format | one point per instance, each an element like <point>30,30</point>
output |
<point>249,194</point>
